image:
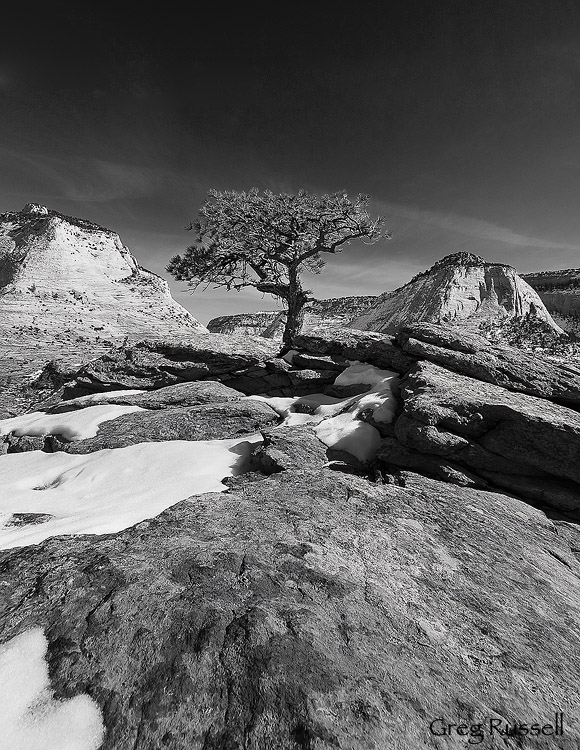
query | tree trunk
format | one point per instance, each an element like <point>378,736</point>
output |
<point>296,300</point>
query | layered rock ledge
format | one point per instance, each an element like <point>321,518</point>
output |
<point>319,602</point>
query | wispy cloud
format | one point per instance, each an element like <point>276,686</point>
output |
<point>90,180</point>
<point>471,227</point>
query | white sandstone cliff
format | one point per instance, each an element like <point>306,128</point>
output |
<point>62,275</point>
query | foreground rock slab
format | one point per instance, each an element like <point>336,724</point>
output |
<point>158,363</point>
<point>471,354</point>
<point>203,422</point>
<point>311,610</point>
<point>172,396</point>
<point>375,348</point>
<point>490,431</point>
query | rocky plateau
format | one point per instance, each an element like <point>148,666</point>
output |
<point>321,601</point>
<point>346,546</point>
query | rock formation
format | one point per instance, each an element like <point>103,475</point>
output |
<point>321,312</point>
<point>460,287</point>
<point>249,324</point>
<point>312,609</point>
<point>317,595</point>
<point>68,288</point>
<point>560,293</point>
<point>60,274</point>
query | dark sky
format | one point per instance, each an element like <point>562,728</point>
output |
<point>460,119</point>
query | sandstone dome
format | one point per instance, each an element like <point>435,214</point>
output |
<point>460,288</point>
<point>63,274</point>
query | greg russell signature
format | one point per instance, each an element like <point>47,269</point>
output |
<point>476,733</point>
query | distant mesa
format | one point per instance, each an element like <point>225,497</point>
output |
<point>270,324</point>
<point>64,275</point>
<point>459,288</point>
<point>560,293</point>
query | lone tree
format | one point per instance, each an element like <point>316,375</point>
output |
<point>267,241</point>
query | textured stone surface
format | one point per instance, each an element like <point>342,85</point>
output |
<point>60,274</point>
<point>311,379</point>
<point>182,394</point>
<point>392,451</point>
<point>203,422</point>
<point>249,324</point>
<point>157,363</point>
<point>311,610</point>
<point>289,448</point>
<point>33,374</point>
<point>374,348</point>
<point>491,432</point>
<point>560,293</point>
<point>460,287</point>
<point>471,354</point>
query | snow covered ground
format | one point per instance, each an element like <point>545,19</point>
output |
<point>109,490</point>
<point>72,425</point>
<point>48,494</point>
<point>30,718</point>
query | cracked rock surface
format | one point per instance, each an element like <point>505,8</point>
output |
<point>204,422</point>
<point>489,430</point>
<point>319,603</point>
<point>471,354</point>
<point>310,609</point>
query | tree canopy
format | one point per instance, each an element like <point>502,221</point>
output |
<point>265,241</point>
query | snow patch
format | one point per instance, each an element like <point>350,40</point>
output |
<point>72,425</point>
<point>346,433</point>
<point>280,404</point>
<point>109,490</point>
<point>337,422</point>
<point>31,719</point>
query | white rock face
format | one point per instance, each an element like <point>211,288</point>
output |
<point>59,274</point>
<point>459,288</point>
<point>248,324</point>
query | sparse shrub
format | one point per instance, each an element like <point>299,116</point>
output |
<point>533,333</point>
